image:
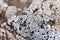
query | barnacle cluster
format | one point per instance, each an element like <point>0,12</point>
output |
<point>38,21</point>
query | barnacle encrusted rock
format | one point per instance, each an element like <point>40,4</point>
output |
<point>36,22</point>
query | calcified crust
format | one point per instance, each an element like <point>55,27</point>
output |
<point>29,19</point>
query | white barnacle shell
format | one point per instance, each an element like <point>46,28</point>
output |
<point>4,6</point>
<point>28,11</point>
<point>11,11</point>
<point>1,2</point>
<point>23,1</point>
